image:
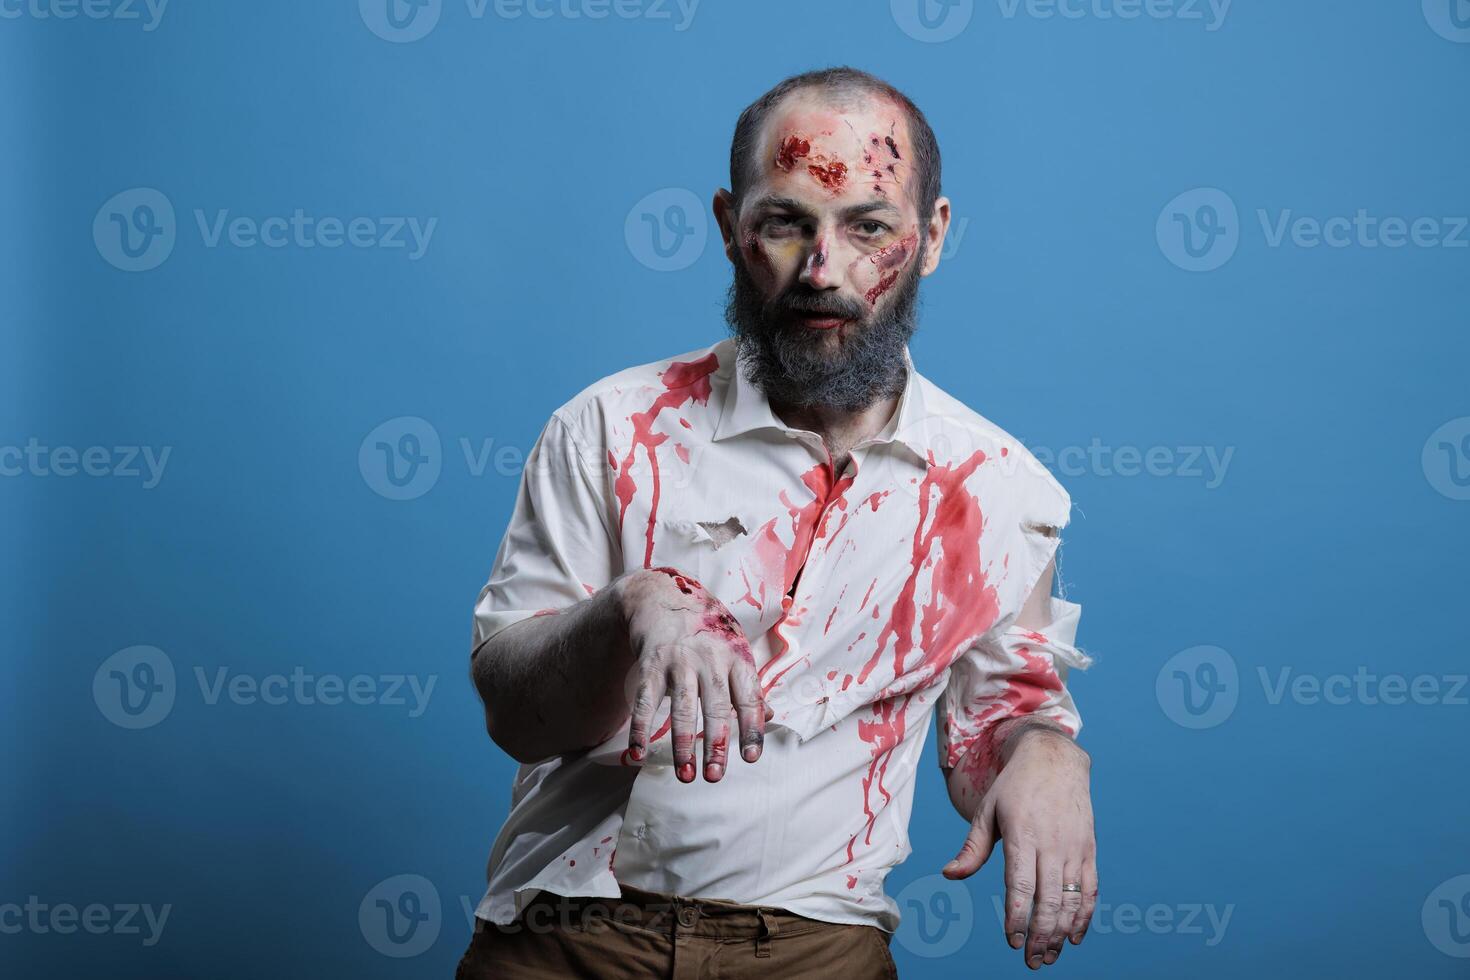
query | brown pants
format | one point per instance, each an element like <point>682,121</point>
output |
<point>648,935</point>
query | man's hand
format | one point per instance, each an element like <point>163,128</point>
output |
<point>1041,809</point>
<point>686,645</point>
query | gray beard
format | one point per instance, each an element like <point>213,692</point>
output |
<point>793,365</point>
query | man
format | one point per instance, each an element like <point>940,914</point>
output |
<point>792,540</point>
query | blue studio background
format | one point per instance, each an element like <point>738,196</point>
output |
<point>1210,260</point>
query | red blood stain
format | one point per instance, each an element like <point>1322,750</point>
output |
<point>612,460</point>
<point>757,252</point>
<point>685,422</point>
<point>684,380</point>
<point>889,262</point>
<point>1035,637</point>
<point>793,149</point>
<point>851,882</point>
<point>681,451</point>
<point>590,589</point>
<point>833,176</point>
<point>961,607</point>
<point>892,147</point>
<point>977,754</point>
<point>807,525</point>
<point>686,584</point>
<point>543,612</point>
<point>883,735</point>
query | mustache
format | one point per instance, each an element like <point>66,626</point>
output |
<point>799,300</point>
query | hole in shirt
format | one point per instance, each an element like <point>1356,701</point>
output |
<point>723,532</point>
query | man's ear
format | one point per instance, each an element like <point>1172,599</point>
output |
<point>726,216</point>
<point>935,235</point>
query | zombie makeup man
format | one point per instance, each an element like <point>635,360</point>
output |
<point>829,238</point>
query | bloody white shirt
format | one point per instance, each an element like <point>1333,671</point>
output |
<point>909,569</point>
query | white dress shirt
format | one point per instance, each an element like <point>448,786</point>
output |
<point>909,569</point>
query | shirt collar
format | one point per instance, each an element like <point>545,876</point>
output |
<point>746,407</point>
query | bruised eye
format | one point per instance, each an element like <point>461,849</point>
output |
<point>780,224</point>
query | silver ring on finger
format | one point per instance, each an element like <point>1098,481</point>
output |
<point>1072,887</point>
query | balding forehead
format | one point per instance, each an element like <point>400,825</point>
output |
<point>837,147</point>
<point>836,114</point>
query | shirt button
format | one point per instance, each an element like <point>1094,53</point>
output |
<point>641,831</point>
<point>686,917</point>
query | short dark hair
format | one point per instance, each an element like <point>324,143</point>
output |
<point>842,83</point>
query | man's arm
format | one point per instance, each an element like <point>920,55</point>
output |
<point>1024,781</point>
<point>560,671</point>
<point>554,683</point>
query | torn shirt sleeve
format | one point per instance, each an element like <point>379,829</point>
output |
<point>559,547</point>
<point>1009,673</point>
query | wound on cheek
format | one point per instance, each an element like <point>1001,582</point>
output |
<point>889,262</point>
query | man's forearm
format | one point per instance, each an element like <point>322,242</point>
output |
<point>977,768</point>
<point>554,683</point>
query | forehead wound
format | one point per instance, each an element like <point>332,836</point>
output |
<point>838,149</point>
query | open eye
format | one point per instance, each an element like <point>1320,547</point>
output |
<point>870,228</point>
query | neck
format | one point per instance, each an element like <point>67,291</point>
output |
<point>840,430</point>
